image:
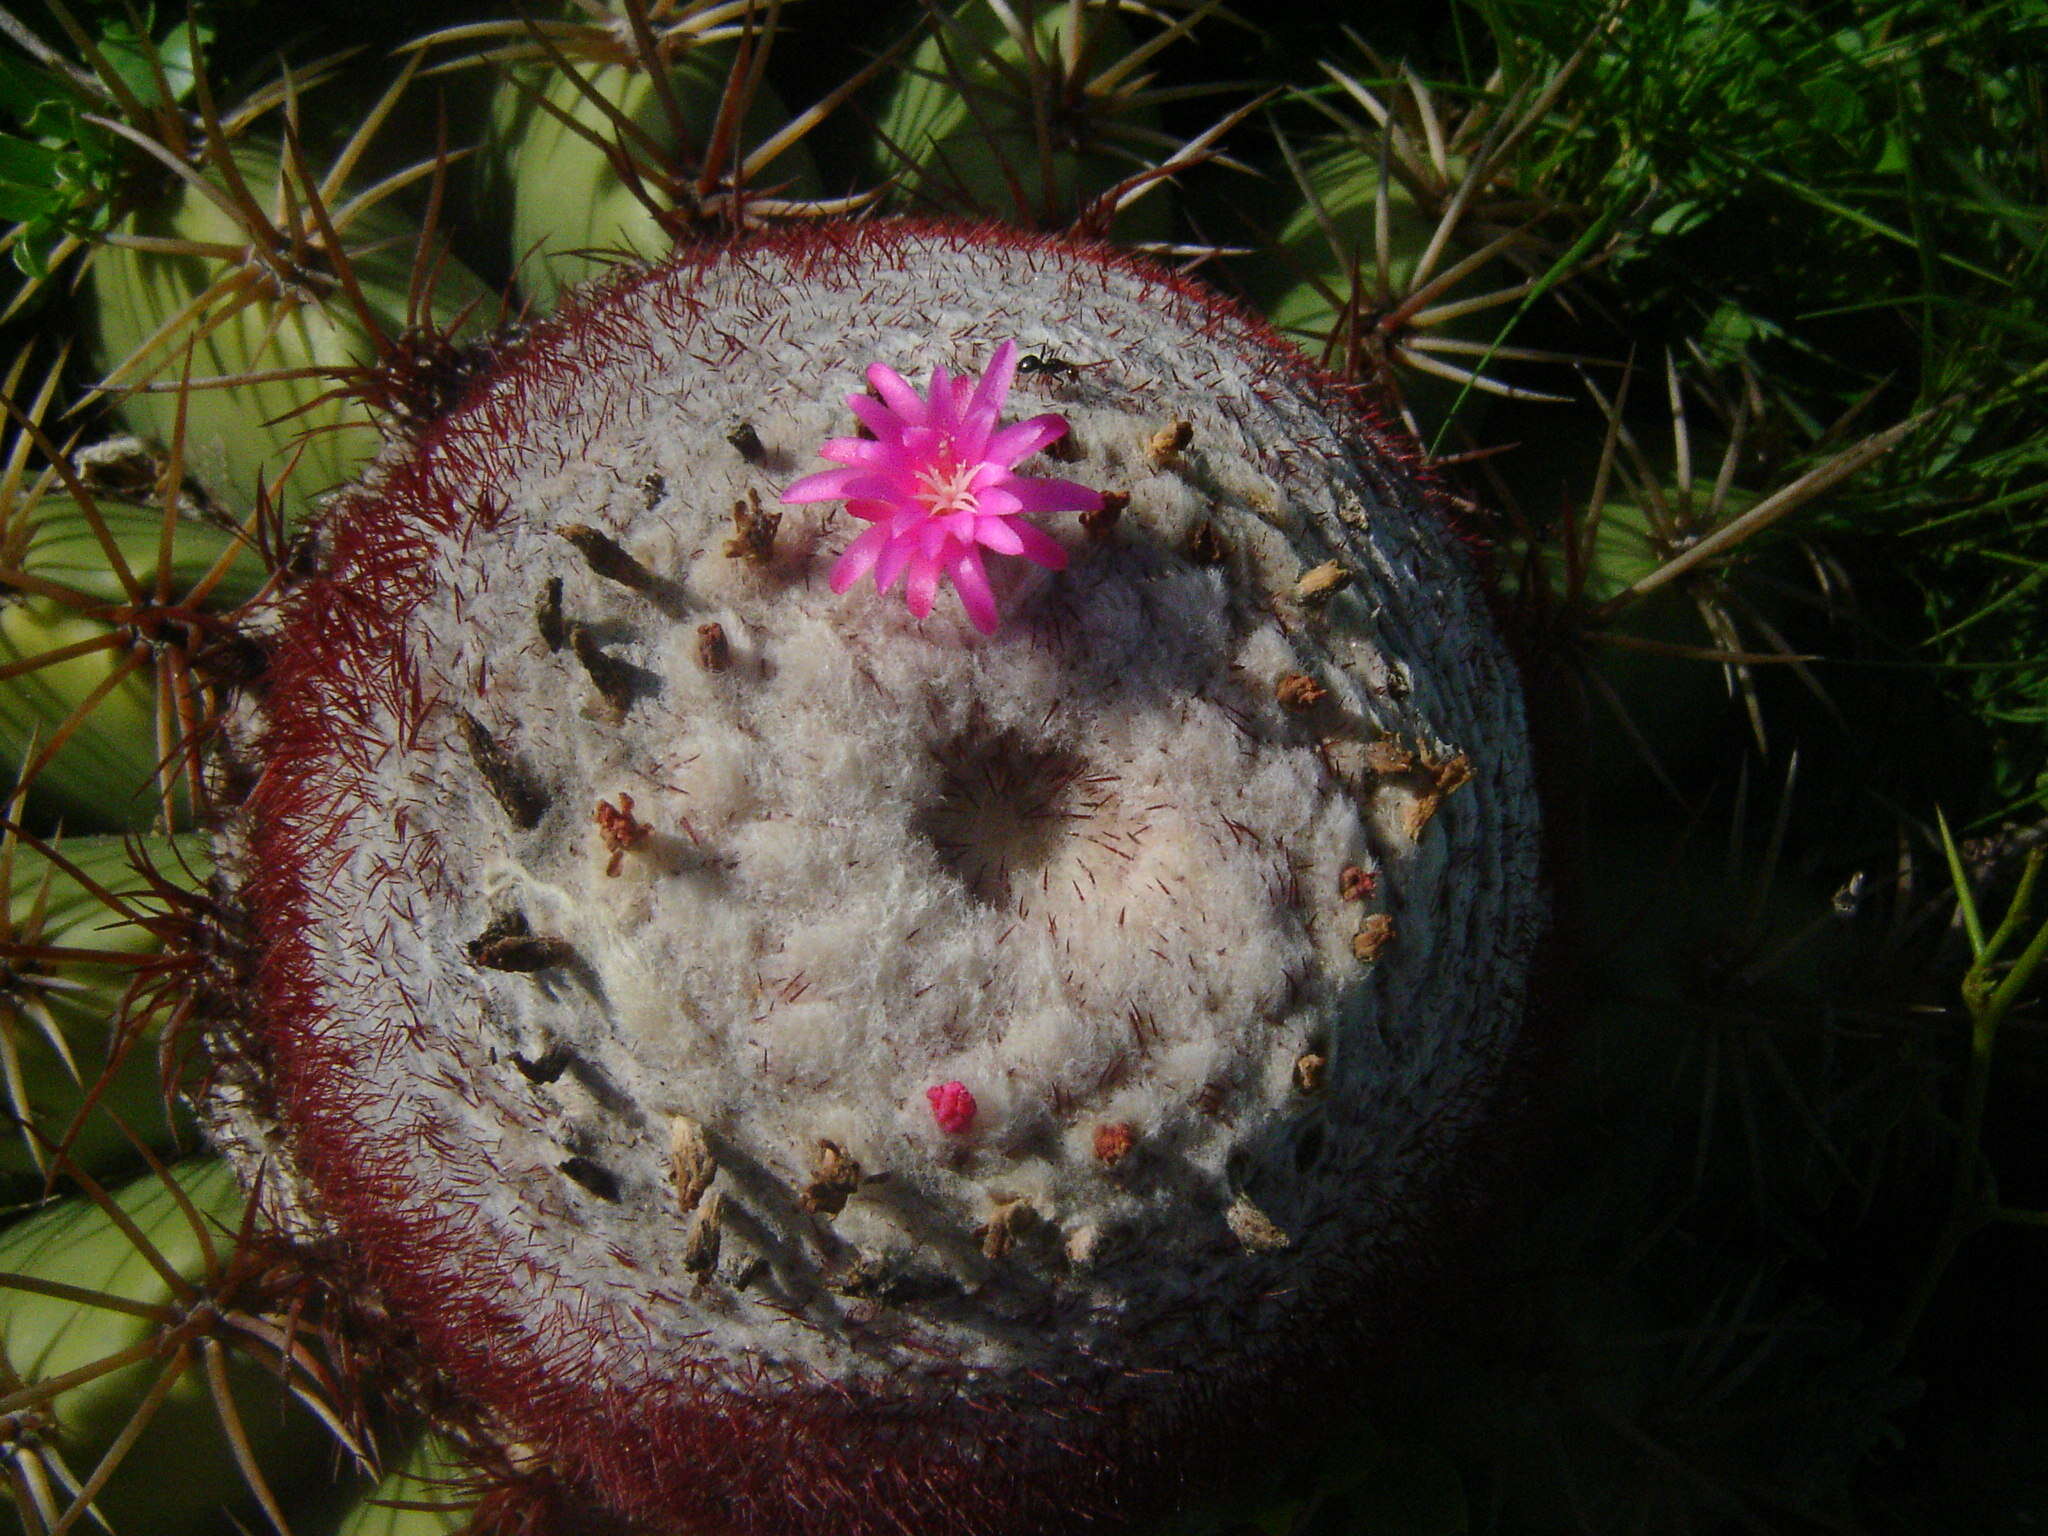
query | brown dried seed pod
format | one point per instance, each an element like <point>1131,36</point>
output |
<point>690,1160</point>
<point>1373,936</point>
<point>1169,442</point>
<point>1322,582</point>
<point>616,681</point>
<point>701,1246</point>
<point>511,785</point>
<point>607,558</point>
<point>714,650</point>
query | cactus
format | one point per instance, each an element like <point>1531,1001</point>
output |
<point>883,877</point>
<point>113,623</point>
<point>591,151</point>
<point>247,350</point>
<point>62,1025</point>
<point>121,1315</point>
<point>1034,117</point>
<point>854,1019</point>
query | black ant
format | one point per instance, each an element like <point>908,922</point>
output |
<point>1046,364</point>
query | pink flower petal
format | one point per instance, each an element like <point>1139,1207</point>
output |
<point>946,536</point>
<point>859,450</point>
<point>923,584</point>
<point>997,501</point>
<point>867,485</point>
<point>970,580</point>
<point>829,485</point>
<point>942,412</point>
<point>1040,547</point>
<point>905,518</point>
<point>886,424</point>
<point>897,555</point>
<point>970,441</point>
<point>999,534</point>
<point>1053,495</point>
<point>994,387</point>
<point>897,394</point>
<point>859,558</point>
<point>1014,444</point>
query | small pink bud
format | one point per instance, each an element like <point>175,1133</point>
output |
<point>952,1107</point>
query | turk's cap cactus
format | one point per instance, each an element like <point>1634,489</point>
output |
<point>792,1059</point>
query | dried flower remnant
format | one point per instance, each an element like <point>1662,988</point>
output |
<point>754,530</point>
<point>619,831</point>
<point>1114,1141</point>
<point>1102,520</point>
<point>1356,883</point>
<point>835,1176</point>
<point>690,1161</point>
<point>937,482</point>
<point>1011,1220</point>
<point>1168,443</point>
<point>1257,1231</point>
<point>1373,936</point>
<point>1300,692</point>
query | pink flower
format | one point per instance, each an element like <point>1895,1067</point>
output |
<point>936,481</point>
<point>952,1106</point>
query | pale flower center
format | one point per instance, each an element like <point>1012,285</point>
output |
<point>946,486</point>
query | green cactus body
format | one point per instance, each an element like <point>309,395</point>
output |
<point>573,217</point>
<point>100,776</point>
<point>116,745</point>
<point>182,1474</point>
<point>150,316</point>
<point>61,546</point>
<point>967,135</point>
<point>424,1494</point>
<point>57,1021</point>
<point>1328,297</point>
<point>1342,185</point>
<point>1657,656</point>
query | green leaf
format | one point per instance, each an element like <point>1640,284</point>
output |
<point>1966,900</point>
<point>25,89</point>
<point>23,204</point>
<point>139,62</point>
<point>26,165</point>
<point>1679,218</point>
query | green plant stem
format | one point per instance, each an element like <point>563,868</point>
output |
<point>1989,999</point>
